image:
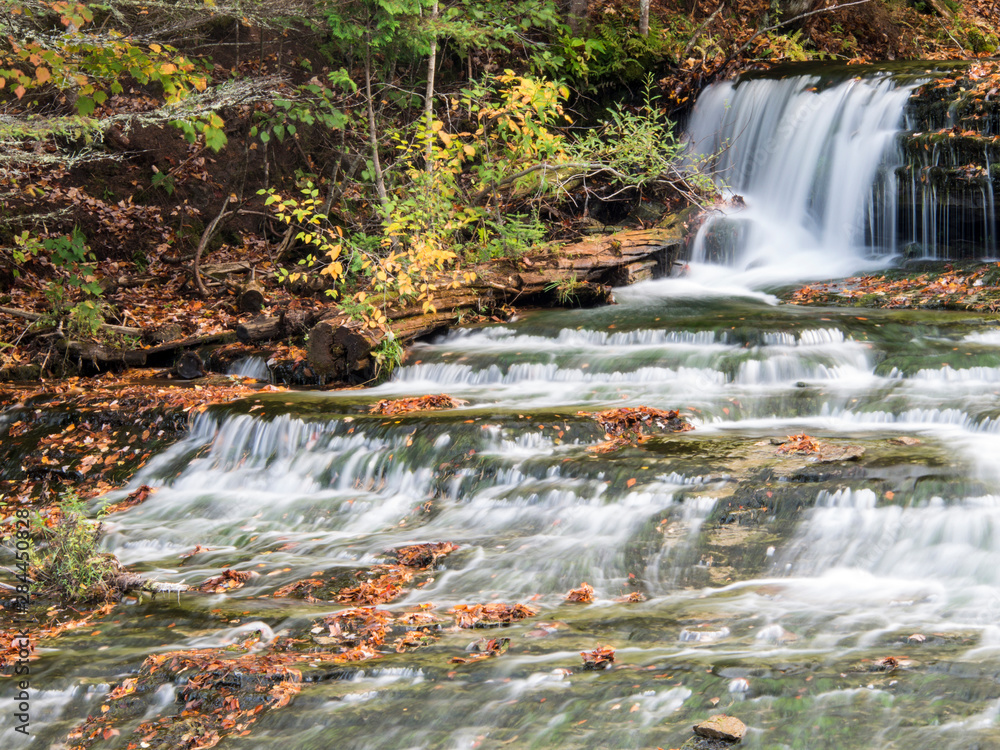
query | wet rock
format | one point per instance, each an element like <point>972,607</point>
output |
<point>702,636</point>
<point>647,212</point>
<point>739,686</point>
<point>831,453</point>
<point>775,634</point>
<point>721,727</point>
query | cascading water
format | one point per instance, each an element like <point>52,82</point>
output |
<point>777,584</point>
<point>832,173</point>
<point>774,582</point>
<point>814,166</point>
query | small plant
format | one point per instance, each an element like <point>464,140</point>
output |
<point>66,559</point>
<point>638,148</point>
<point>71,255</point>
<point>388,356</point>
<point>86,318</point>
<point>567,290</point>
<point>512,238</point>
<point>164,180</point>
<point>25,247</point>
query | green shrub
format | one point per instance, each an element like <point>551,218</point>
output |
<point>66,561</point>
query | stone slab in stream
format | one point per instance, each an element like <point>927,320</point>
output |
<point>722,727</point>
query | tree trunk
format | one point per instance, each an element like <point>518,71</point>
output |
<point>578,15</point>
<point>429,96</point>
<point>578,275</point>
<point>383,197</point>
<point>260,329</point>
<point>644,17</point>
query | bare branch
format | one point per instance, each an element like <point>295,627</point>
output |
<point>205,239</point>
<point>694,37</point>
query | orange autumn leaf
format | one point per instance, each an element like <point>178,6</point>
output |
<point>583,595</point>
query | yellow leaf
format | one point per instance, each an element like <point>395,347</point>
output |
<point>19,91</point>
<point>167,69</point>
<point>200,83</point>
<point>469,150</point>
<point>155,48</point>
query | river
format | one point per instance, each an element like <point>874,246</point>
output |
<point>773,586</point>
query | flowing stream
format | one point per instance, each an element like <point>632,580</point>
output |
<point>775,585</point>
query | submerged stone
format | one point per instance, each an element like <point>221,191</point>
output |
<point>705,743</point>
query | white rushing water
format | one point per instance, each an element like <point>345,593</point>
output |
<point>814,168</point>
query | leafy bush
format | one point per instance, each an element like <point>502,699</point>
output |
<point>66,559</point>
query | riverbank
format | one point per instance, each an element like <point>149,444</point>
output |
<point>932,285</point>
<point>306,341</point>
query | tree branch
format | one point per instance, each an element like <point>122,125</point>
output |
<point>206,237</point>
<point>694,37</point>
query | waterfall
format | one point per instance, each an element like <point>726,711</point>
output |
<point>814,166</point>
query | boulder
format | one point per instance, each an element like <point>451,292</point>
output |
<point>721,727</point>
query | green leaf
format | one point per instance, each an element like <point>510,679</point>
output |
<point>215,139</point>
<point>85,106</point>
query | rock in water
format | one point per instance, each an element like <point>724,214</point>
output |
<point>721,727</point>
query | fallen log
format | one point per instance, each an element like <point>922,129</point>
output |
<point>101,357</point>
<point>189,366</point>
<point>251,297</point>
<point>346,351</point>
<point>263,328</point>
<point>291,322</point>
<point>576,275</point>
<point>191,342</point>
<point>33,316</point>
